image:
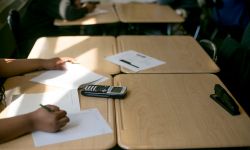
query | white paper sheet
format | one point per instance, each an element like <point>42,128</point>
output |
<point>71,78</point>
<point>67,100</point>
<point>134,61</point>
<point>97,11</point>
<point>83,124</point>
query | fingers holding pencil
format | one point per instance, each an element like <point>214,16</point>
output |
<point>49,118</point>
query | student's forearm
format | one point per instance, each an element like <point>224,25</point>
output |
<point>14,127</point>
<point>13,67</point>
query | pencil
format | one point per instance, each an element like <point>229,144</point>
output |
<point>46,108</point>
<point>71,62</point>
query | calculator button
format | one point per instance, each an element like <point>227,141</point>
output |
<point>88,88</point>
<point>92,88</point>
<point>99,88</point>
<point>104,90</point>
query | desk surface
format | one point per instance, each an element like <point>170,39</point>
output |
<point>174,111</point>
<point>89,51</point>
<point>21,84</point>
<point>182,54</point>
<point>146,13</point>
<point>99,18</point>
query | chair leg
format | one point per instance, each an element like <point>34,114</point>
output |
<point>197,31</point>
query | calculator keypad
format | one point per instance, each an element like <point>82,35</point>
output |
<point>97,89</point>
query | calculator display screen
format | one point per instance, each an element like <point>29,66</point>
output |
<point>116,89</point>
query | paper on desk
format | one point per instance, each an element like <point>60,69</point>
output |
<point>134,61</point>
<point>71,78</point>
<point>65,99</point>
<point>83,124</point>
<point>97,11</point>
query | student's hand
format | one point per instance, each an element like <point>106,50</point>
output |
<point>43,120</point>
<point>90,6</point>
<point>57,63</point>
<point>77,3</point>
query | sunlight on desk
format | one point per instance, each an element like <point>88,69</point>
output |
<point>91,21</point>
<point>89,56</point>
<point>67,43</point>
<point>73,76</point>
<point>55,45</point>
<point>82,21</point>
<point>89,51</point>
<point>15,87</point>
<point>62,46</point>
<point>26,103</point>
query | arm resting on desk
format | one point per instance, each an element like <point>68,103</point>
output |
<point>13,67</point>
<point>74,11</point>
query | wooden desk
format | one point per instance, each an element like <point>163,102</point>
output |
<point>21,84</point>
<point>146,13</point>
<point>182,54</point>
<point>103,18</point>
<point>89,51</point>
<point>174,111</point>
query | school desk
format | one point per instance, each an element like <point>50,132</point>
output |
<point>182,54</point>
<point>175,111</point>
<point>146,13</point>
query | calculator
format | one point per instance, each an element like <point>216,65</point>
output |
<point>105,91</point>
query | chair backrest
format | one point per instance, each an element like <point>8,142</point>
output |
<point>246,36</point>
<point>210,48</point>
<point>13,20</point>
<point>233,60</point>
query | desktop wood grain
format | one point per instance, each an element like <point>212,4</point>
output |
<point>174,111</point>
<point>89,51</point>
<point>182,54</point>
<point>146,13</point>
